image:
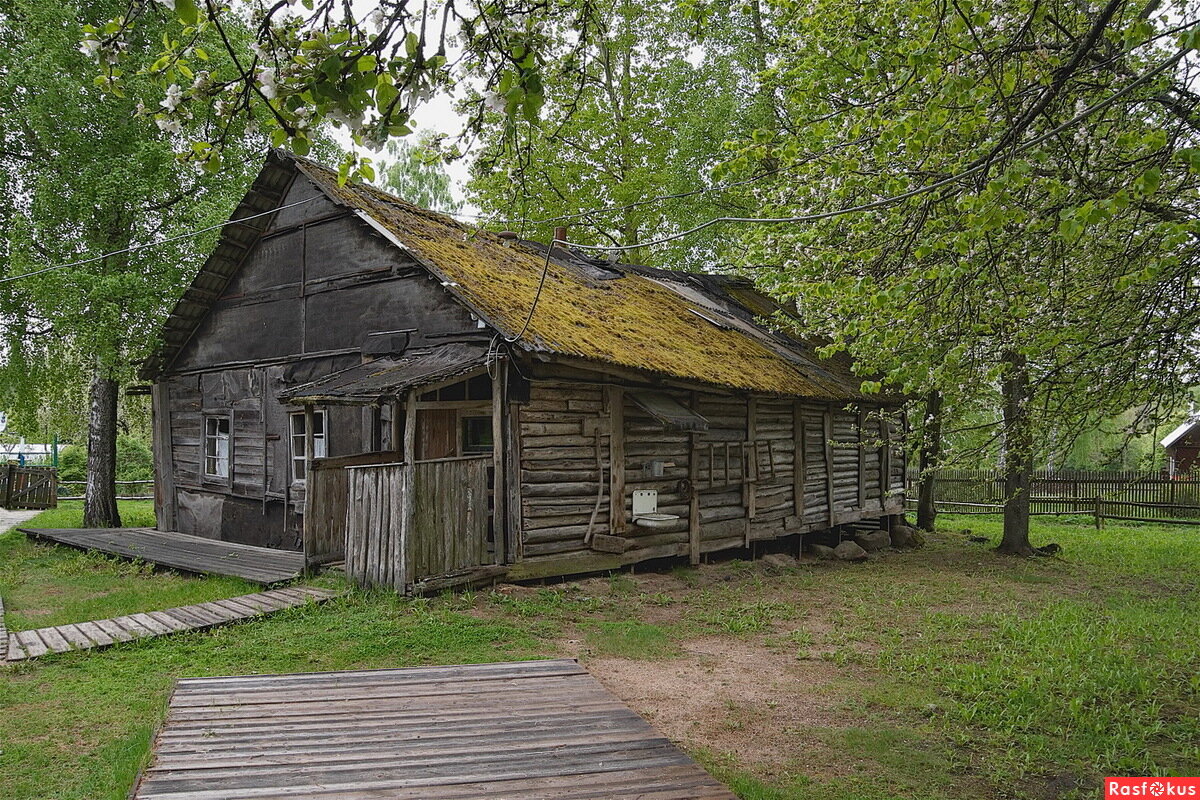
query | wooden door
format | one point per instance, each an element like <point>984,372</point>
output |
<point>437,434</point>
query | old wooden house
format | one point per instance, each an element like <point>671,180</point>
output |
<point>361,378</point>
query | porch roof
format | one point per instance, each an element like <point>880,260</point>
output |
<point>390,377</point>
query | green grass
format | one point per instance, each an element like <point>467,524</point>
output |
<point>944,673</point>
<point>45,584</point>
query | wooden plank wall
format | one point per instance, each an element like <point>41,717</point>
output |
<point>566,424</point>
<point>407,522</point>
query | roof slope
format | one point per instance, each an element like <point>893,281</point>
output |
<point>692,326</point>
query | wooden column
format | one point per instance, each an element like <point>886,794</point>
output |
<point>164,467</point>
<point>515,509</point>
<point>885,458</point>
<point>798,464</point>
<point>498,504</point>
<point>750,465</point>
<point>308,440</point>
<point>615,396</point>
<point>694,500</point>
<point>862,458</point>
<point>827,430</point>
<point>407,486</point>
<point>397,443</point>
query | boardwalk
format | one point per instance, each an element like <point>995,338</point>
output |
<point>536,729</point>
<point>264,565</point>
<point>104,632</point>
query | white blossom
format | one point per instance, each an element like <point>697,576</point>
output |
<point>174,97</point>
<point>266,78</point>
<point>90,47</point>
<point>169,125</point>
<point>376,19</point>
<point>494,102</point>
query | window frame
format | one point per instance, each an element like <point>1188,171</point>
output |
<point>464,420</point>
<point>216,438</point>
<point>298,442</point>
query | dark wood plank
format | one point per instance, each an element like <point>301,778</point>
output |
<point>180,551</point>
<point>426,732</point>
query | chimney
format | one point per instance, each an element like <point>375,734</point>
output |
<point>560,235</point>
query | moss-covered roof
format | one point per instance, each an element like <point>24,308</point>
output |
<point>690,326</point>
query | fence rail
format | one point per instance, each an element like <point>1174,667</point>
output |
<point>1128,495</point>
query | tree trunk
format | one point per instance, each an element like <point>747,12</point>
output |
<point>100,497</point>
<point>1018,462</point>
<point>931,452</point>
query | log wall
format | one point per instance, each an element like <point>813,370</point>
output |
<point>738,480</point>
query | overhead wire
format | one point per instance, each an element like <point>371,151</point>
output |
<point>156,243</point>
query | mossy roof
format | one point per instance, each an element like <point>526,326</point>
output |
<point>686,325</point>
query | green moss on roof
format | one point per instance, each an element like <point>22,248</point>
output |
<point>632,321</point>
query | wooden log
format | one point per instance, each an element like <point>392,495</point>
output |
<point>615,397</point>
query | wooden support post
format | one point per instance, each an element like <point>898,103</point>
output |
<point>513,446</point>
<point>750,464</point>
<point>694,500</point>
<point>309,440</point>
<point>827,430</point>
<point>798,465</point>
<point>498,505</point>
<point>396,444</point>
<point>885,457</point>
<point>164,464</point>
<point>862,458</point>
<point>408,487</point>
<point>616,453</point>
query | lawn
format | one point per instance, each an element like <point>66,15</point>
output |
<point>943,673</point>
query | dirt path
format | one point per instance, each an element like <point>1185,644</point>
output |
<point>10,519</point>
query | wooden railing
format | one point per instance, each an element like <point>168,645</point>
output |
<point>28,487</point>
<point>409,522</point>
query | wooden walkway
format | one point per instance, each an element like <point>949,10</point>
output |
<point>264,565</point>
<point>534,729</point>
<point>104,632</point>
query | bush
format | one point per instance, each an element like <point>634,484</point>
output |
<point>135,462</point>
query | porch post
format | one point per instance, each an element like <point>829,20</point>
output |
<point>498,499</point>
<point>308,442</point>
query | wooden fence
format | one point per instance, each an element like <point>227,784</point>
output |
<point>129,494</point>
<point>409,522</point>
<point>1138,496</point>
<point>326,499</point>
<point>28,487</point>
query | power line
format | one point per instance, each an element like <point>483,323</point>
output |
<point>932,187</point>
<point>168,240</point>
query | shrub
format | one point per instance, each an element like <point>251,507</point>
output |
<point>135,462</point>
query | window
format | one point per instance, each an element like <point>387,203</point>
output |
<point>476,435</point>
<point>216,447</point>
<point>300,442</point>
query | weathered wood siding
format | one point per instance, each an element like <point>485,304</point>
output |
<point>566,438</point>
<point>408,522</point>
<point>298,309</point>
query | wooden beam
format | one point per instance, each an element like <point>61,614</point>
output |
<point>164,464</point>
<point>694,480</point>
<point>862,456</point>
<point>516,523</point>
<point>615,397</point>
<point>750,464</point>
<point>498,505</point>
<point>827,430</point>
<point>798,465</point>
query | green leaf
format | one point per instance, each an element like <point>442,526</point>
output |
<point>186,10</point>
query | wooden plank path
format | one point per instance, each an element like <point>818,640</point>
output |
<point>533,729</point>
<point>265,565</point>
<point>23,645</point>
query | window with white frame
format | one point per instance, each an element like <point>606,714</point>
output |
<point>216,448</point>
<point>300,441</point>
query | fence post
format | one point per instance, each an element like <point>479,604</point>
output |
<point>8,486</point>
<point>1099,517</point>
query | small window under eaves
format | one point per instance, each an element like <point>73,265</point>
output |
<point>672,414</point>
